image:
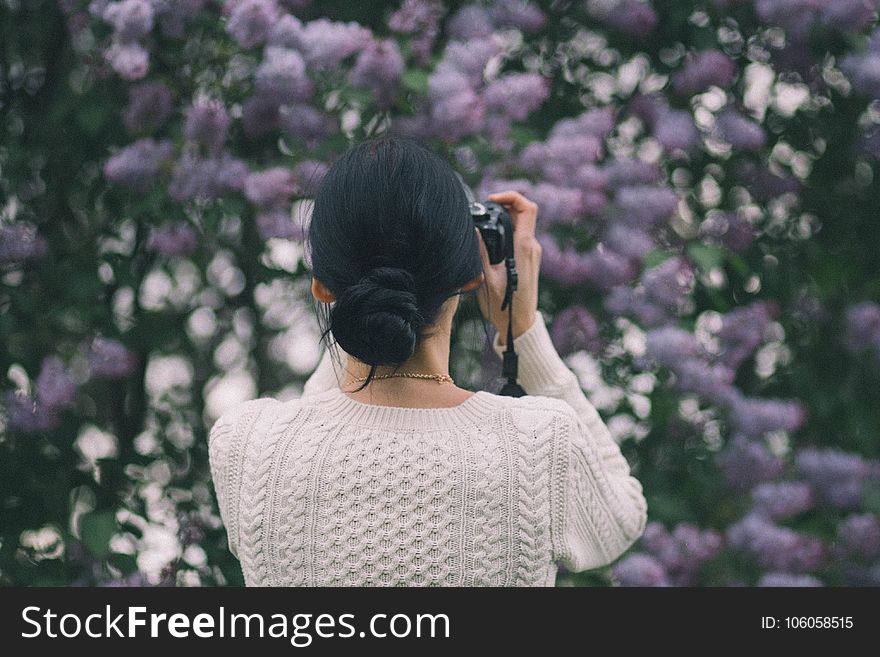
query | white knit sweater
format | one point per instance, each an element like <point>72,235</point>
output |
<point>325,490</point>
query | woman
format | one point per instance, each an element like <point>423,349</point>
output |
<point>385,472</point>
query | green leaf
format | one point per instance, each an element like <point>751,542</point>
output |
<point>655,257</point>
<point>706,256</point>
<point>415,81</point>
<point>96,530</point>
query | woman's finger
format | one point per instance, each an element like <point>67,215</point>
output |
<point>524,213</point>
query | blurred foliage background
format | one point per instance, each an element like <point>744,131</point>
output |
<point>709,217</point>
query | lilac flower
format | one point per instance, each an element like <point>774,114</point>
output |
<point>590,177</point>
<point>559,155</point>
<point>606,269</point>
<point>702,70</point>
<point>836,476</point>
<point>859,535</point>
<point>278,224</point>
<point>574,329</point>
<point>669,345</point>
<point>631,172</point>
<point>728,229</point>
<point>849,15</point>
<point>746,463</point>
<point>136,165</point>
<point>675,129</point>
<point>598,122</point>
<point>20,241</point>
<point>131,19</point>
<point>130,60</point>
<point>207,122</point>
<point>458,115</point>
<point>623,300</point>
<point>325,43</point>
<point>788,580</point>
<point>422,19</point>
<point>282,75</point>
<point>681,552</point>
<point>764,184</point>
<point>862,327</point>
<point>712,382</point>
<point>378,67</point>
<point>648,107</point>
<point>516,95</point>
<point>208,178</point>
<point>520,14</point>
<point>470,22</point>
<point>563,265</point>
<point>25,414</point>
<point>781,500</point>
<point>55,388</point>
<point>251,20</point>
<point>756,416</point>
<point>632,17</point>
<point>863,71</point>
<point>149,106</point>
<point>668,284</point>
<point>795,16</point>
<point>260,114</point>
<point>179,239</point>
<point>109,359</point>
<point>270,188</point>
<point>640,570</point>
<point>173,15</point>
<point>627,241</point>
<point>557,204</point>
<point>740,132</point>
<point>307,175</point>
<point>286,32</point>
<point>775,547</point>
<point>742,330</point>
<point>470,58</point>
<point>306,122</point>
<point>642,205</point>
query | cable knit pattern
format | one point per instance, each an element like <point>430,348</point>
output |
<point>497,491</point>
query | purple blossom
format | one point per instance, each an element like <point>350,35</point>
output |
<point>763,184</point>
<point>251,20</point>
<point>109,358</point>
<point>131,19</point>
<point>20,241</point>
<point>642,205</point>
<point>325,43</point>
<point>378,67</point>
<point>628,241</point>
<point>516,95</point>
<point>675,129</point>
<point>179,239</point>
<point>520,14</point>
<point>740,132</point>
<point>278,224</point>
<point>728,229</point>
<point>742,331</point>
<point>55,388</point>
<point>149,106</point>
<point>849,15</point>
<point>669,345</point>
<point>574,329</point>
<point>682,552</point>
<point>775,547</point>
<point>631,172</point>
<point>270,188</point>
<point>598,122</point>
<point>306,122</point>
<point>781,500</point>
<point>130,60</point>
<point>470,58</point>
<point>136,165</point>
<point>787,580</point>
<point>25,414</point>
<point>469,23</point>
<point>632,17</point>
<point>862,327</point>
<point>286,32</point>
<point>422,19</point>
<point>458,115</point>
<point>307,175</point>
<point>282,75</point>
<point>566,266</point>
<point>207,122</point>
<point>623,300</point>
<point>668,284</point>
<point>557,204</point>
<point>640,570</point>
<point>859,535</point>
<point>863,70</point>
<point>836,476</point>
<point>206,178</point>
<point>260,114</point>
<point>746,463</point>
<point>755,417</point>
<point>702,70</point>
<point>606,269</point>
<point>173,15</point>
<point>712,382</point>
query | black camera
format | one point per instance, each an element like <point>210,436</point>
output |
<point>494,224</point>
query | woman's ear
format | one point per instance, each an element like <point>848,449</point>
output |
<point>320,291</point>
<point>475,283</point>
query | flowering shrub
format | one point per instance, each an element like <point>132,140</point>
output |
<point>705,177</point>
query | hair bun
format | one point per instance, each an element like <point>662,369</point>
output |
<point>377,320</point>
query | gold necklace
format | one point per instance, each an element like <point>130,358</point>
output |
<point>439,378</point>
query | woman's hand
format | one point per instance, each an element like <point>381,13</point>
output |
<point>527,252</point>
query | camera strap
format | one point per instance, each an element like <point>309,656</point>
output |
<point>509,364</point>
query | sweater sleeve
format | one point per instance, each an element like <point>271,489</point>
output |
<point>325,375</point>
<point>227,442</point>
<point>603,510</point>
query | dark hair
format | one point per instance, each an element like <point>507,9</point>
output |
<point>391,236</point>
